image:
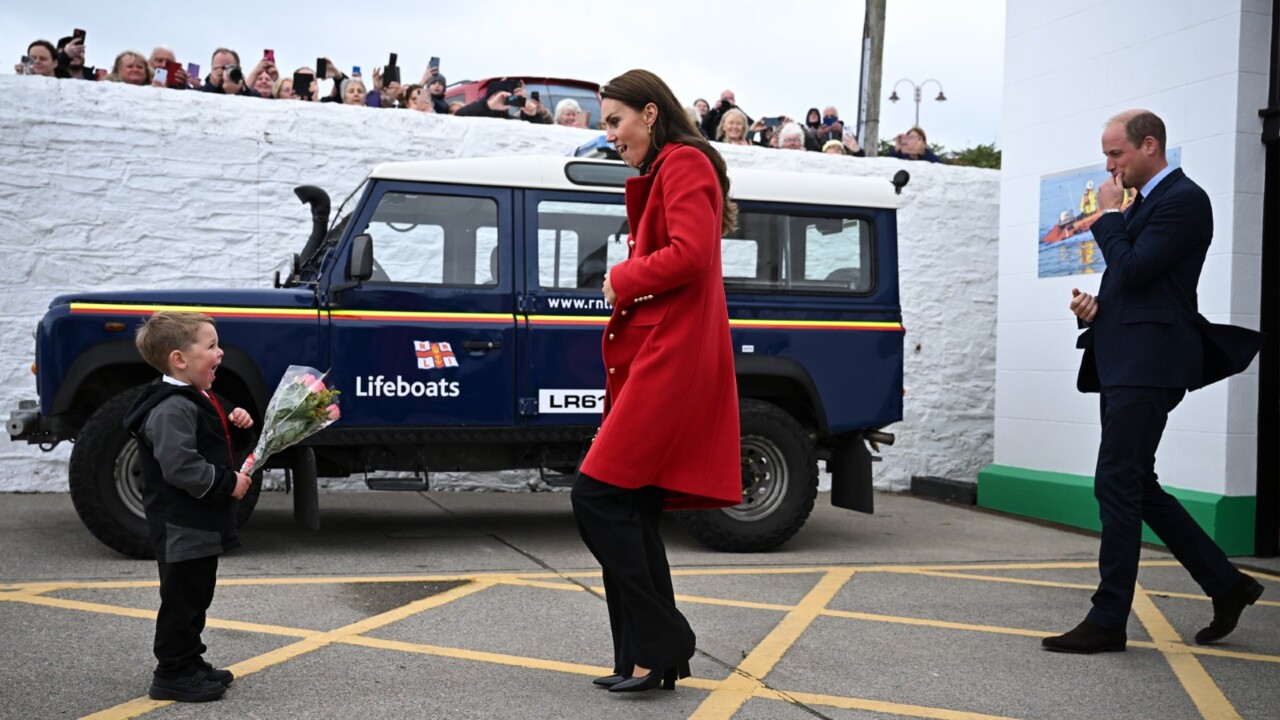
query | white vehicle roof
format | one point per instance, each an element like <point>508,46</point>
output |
<point>548,173</point>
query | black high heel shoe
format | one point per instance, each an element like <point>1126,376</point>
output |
<point>666,678</point>
<point>608,681</point>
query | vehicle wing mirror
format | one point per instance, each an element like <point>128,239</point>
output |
<point>362,257</point>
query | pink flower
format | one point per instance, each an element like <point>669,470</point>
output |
<point>334,412</point>
<point>312,383</point>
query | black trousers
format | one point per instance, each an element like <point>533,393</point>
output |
<point>1128,493</point>
<point>620,528</point>
<point>186,591</point>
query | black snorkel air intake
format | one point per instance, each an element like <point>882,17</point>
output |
<point>319,201</point>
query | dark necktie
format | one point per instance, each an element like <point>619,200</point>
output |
<point>1137,203</point>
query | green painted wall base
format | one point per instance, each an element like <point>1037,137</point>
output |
<point>1068,499</point>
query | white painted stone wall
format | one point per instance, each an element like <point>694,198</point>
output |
<point>1202,67</point>
<point>108,186</point>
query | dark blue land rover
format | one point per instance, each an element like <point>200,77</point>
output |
<point>458,308</point>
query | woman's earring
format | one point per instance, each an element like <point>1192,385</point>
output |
<point>650,130</point>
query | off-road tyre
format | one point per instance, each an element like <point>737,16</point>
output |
<point>779,479</point>
<point>106,481</point>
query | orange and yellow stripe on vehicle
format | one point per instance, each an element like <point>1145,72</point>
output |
<point>214,311</point>
<point>424,317</point>
<point>393,316</point>
<point>601,320</point>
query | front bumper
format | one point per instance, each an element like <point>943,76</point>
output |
<point>27,424</point>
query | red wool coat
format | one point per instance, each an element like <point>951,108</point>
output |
<point>671,400</point>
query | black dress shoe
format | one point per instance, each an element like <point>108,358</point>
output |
<point>217,675</point>
<point>1227,609</point>
<point>666,678</point>
<point>1087,638</point>
<point>196,687</point>
<point>608,681</point>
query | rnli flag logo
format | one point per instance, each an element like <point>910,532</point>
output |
<point>434,355</point>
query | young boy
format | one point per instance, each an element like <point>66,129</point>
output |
<point>190,489</point>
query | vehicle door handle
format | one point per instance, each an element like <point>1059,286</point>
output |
<point>481,345</point>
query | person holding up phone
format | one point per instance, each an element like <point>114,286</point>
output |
<point>533,110</point>
<point>71,58</point>
<point>329,80</point>
<point>386,92</point>
<point>499,96</point>
<point>913,145</point>
<point>174,76</point>
<point>831,128</point>
<point>434,87</point>
<point>39,60</point>
<point>262,78</point>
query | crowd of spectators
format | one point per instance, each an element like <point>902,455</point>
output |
<point>724,122</point>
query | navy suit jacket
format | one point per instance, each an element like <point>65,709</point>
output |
<point>1148,331</point>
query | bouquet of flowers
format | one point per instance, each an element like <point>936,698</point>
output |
<point>301,406</point>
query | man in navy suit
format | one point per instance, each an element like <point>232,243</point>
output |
<point>1145,345</point>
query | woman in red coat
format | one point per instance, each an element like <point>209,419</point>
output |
<point>669,435</point>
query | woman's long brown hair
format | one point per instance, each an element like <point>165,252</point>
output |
<point>638,88</point>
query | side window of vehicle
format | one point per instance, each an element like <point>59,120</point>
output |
<point>781,252</point>
<point>423,239</point>
<point>833,253</point>
<point>578,242</point>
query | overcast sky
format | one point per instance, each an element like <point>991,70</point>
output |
<point>778,58</point>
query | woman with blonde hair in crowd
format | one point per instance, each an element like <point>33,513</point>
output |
<point>131,67</point>
<point>283,90</point>
<point>733,128</point>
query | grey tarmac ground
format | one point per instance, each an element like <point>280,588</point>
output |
<point>486,605</point>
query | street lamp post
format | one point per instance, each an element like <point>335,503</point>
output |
<point>917,88</point>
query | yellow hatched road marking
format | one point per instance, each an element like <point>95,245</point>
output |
<point>728,695</point>
<point>1204,692</point>
<point>139,706</point>
<point>880,706</point>
<point>741,684</point>
<point>1001,579</point>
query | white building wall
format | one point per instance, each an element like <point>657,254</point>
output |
<point>1202,67</point>
<point>115,187</point>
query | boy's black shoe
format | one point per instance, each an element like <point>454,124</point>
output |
<point>196,687</point>
<point>1227,609</point>
<point>1087,638</point>
<point>217,675</point>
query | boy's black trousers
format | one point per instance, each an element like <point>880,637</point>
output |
<point>620,528</point>
<point>186,591</point>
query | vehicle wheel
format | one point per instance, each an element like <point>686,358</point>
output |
<point>779,483</point>
<point>106,481</point>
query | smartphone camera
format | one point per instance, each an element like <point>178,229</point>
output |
<point>28,65</point>
<point>514,100</point>
<point>535,97</point>
<point>302,84</point>
<point>773,121</point>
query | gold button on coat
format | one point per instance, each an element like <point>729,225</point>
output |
<point>611,370</point>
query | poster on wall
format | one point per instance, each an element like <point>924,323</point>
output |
<point>1068,206</point>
